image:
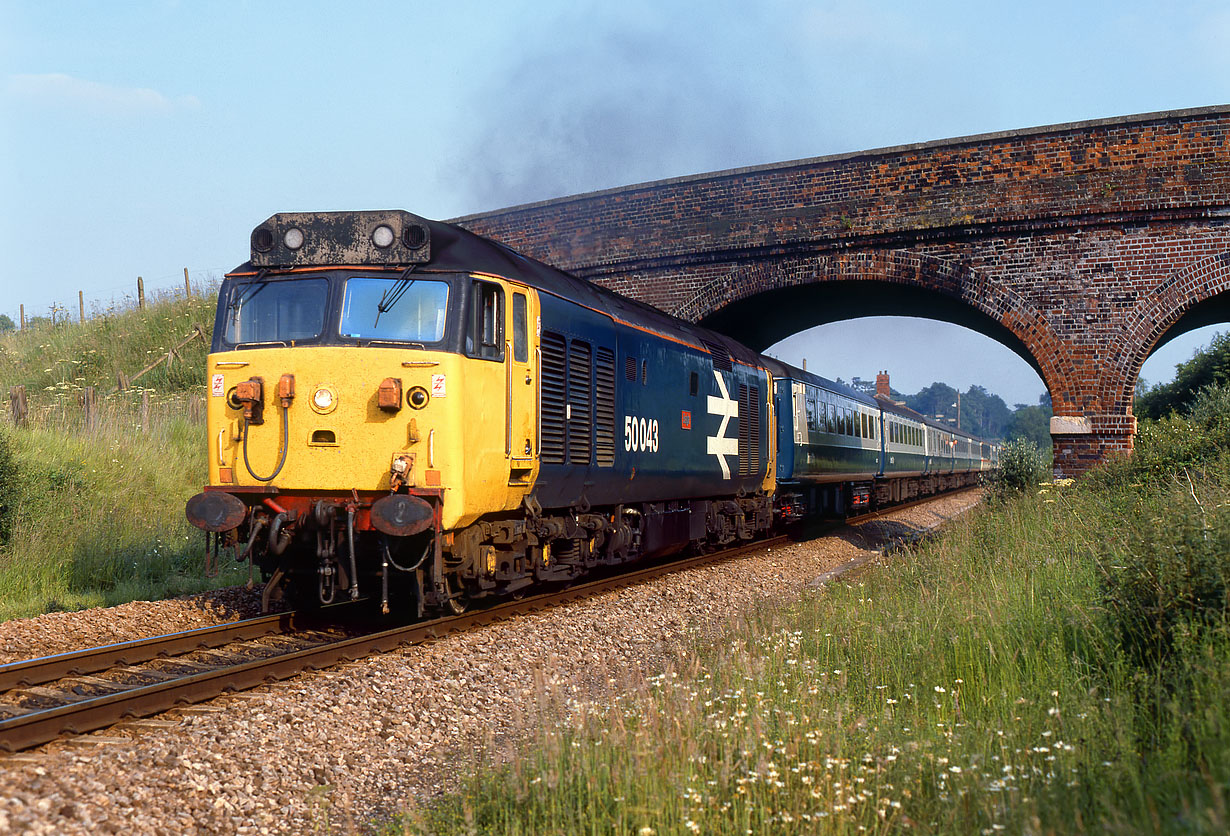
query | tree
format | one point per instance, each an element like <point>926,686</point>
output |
<point>1207,367</point>
<point>983,413</point>
<point>6,324</point>
<point>1031,423</point>
<point>934,400</point>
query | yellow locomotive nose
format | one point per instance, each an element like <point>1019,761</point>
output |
<point>357,429</point>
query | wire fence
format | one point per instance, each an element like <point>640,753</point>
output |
<point>57,314</point>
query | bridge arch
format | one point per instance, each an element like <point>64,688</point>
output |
<point>761,303</point>
<point>1190,298</point>
<point>1074,238</point>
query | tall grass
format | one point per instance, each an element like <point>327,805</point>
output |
<point>978,684</point>
<point>55,363</point>
<point>93,515</point>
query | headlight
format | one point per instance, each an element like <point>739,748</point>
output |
<point>324,399</point>
<point>382,236</point>
<point>293,238</point>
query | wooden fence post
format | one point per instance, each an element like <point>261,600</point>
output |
<point>140,293</point>
<point>17,400</point>
<point>121,382</point>
<point>23,317</point>
<point>88,406</point>
<point>145,411</point>
<point>81,304</point>
<point>187,286</point>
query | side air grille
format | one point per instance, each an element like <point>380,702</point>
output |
<point>721,357</point>
<point>580,398</point>
<point>630,369</point>
<point>604,407</point>
<point>745,429</point>
<point>753,435</point>
<point>552,381</point>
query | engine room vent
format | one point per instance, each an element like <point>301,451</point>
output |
<point>553,383</point>
<point>721,357</point>
<point>749,430</point>
<point>580,399</point>
<point>604,407</point>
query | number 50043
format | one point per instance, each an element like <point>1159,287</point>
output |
<point>640,434</point>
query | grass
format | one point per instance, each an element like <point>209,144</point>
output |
<point>55,363</point>
<point>93,515</point>
<point>978,684</point>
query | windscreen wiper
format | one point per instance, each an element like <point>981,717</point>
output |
<point>392,295</point>
<point>249,291</point>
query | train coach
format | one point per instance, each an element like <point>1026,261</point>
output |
<point>840,450</point>
<point>400,408</point>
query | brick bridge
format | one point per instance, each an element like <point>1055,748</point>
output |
<point>1082,247</point>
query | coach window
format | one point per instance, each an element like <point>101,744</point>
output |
<point>486,337</point>
<point>521,336</point>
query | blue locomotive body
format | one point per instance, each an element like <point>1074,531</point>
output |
<point>495,422</point>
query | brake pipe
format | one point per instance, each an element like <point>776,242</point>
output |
<point>354,571</point>
<point>285,448</point>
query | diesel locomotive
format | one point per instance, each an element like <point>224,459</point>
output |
<point>401,409</point>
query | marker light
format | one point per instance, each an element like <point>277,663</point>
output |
<point>414,236</point>
<point>293,238</point>
<point>382,236</point>
<point>417,397</point>
<point>262,239</point>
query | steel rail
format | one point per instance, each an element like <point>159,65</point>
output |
<point>34,728</point>
<point>902,506</point>
<point>78,662</point>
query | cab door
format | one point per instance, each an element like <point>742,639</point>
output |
<point>521,362</point>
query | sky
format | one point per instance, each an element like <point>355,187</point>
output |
<point>143,137</point>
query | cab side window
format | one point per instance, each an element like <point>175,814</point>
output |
<point>485,338</point>
<point>521,338</point>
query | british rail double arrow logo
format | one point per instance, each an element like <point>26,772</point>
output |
<point>720,445</point>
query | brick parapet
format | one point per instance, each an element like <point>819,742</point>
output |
<point>1049,176</point>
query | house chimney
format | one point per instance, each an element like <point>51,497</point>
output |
<point>882,388</point>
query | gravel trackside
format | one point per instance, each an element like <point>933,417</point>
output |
<point>334,750</point>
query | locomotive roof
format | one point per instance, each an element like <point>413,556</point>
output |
<point>443,247</point>
<point>455,249</point>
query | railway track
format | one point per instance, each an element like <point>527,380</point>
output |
<point>42,700</point>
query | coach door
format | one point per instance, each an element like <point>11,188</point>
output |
<point>521,362</point>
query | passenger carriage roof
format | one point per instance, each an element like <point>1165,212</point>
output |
<point>906,412</point>
<point>780,369</point>
<point>785,370</point>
